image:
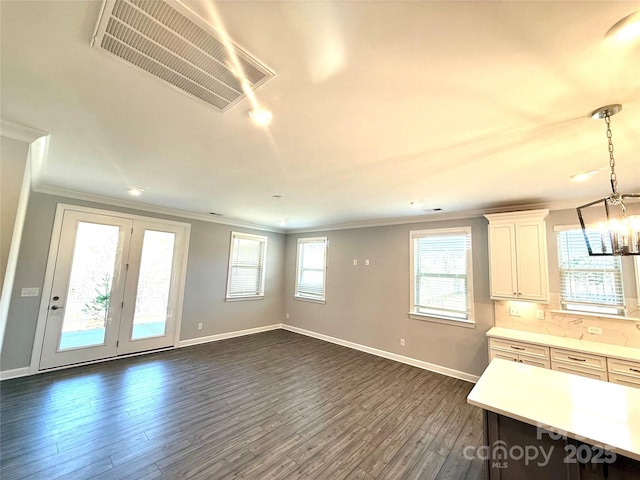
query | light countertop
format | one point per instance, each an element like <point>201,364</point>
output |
<point>585,346</point>
<point>595,412</point>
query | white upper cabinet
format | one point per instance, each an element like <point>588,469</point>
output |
<point>518,256</point>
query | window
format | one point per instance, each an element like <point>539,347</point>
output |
<point>441,278</point>
<point>311,268</point>
<point>588,284</point>
<point>246,266</point>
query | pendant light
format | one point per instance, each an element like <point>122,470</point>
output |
<point>611,225</point>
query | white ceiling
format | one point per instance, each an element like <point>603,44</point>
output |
<point>461,105</point>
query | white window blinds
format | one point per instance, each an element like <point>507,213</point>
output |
<point>311,268</point>
<point>589,284</point>
<point>246,266</point>
<point>441,273</point>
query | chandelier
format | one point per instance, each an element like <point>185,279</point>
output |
<point>611,225</point>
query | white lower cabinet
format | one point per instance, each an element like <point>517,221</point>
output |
<point>585,365</point>
<point>527,353</point>
<point>624,372</point>
<point>599,367</point>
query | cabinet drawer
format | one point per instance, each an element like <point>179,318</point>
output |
<point>503,355</point>
<point>519,348</point>
<point>534,361</point>
<point>579,370</point>
<point>623,366</point>
<point>579,359</point>
<point>626,380</point>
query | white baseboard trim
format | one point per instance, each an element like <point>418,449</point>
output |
<point>383,353</point>
<point>15,373</point>
<point>24,371</point>
<point>223,336</point>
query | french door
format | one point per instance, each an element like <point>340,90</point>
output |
<point>115,288</point>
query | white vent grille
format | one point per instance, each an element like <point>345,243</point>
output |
<point>167,40</point>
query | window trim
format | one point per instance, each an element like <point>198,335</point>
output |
<point>260,294</point>
<point>468,322</point>
<point>296,294</point>
<point>622,310</point>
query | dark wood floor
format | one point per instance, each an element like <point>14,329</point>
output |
<point>275,405</point>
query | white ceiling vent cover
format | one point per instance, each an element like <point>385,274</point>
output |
<point>170,42</point>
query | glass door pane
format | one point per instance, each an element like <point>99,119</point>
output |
<point>87,287</point>
<point>154,285</point>
<point>87,305</point>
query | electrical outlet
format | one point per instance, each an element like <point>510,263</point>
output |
<point>594,330</point>
<point>355,261</point>
<point>287,316</point>
<point>514,311</point>
<point>402,342</point>
<point>540,314</point>
<point>199,326</point>
<point>366,262</point>
<point>30,292</point>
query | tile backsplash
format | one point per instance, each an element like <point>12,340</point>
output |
<point>570,325</point>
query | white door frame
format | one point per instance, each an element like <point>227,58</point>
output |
<point>51,262</point>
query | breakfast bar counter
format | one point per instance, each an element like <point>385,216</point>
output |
<point>593,426</point>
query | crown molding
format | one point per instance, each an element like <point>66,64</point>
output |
<point>144,207</point>
<point>20,132</point>
<point>438,217</point>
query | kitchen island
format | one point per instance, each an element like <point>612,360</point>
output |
<point>547,424</point>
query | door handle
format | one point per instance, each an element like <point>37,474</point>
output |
<point>56,307</point>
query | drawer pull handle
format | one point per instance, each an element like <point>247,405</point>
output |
<point>517,348</point>
<point>577,359</point>
<point>634,369</point>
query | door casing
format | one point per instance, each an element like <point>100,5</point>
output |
<point>51,261</point>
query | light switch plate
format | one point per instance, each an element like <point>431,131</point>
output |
<point>30,292</point>
<point>540,314</point>
<point>514,311</point>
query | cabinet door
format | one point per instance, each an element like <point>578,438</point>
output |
<point>534,362</point>
<point>503,355</point>
<point>625,367</point>
<point>502,257</point>
<point>625,380</point>
<point>582,371</point>
<point>532,267</point>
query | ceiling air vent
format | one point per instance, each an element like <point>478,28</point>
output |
<point>170,42</point>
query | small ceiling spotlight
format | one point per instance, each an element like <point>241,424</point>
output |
<point>626,29</point>
<point>135,192</point>
<point>261,117</point>
<point>277,197</point>
<point>583,176</point>
<point>282,222</point>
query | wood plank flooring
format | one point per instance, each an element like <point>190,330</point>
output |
<point>274,405</point>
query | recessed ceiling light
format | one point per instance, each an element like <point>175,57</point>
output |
<point>276,197</point>
<point>282,221</point>
<point>626,29</point>
<point>583,176</point>
<point>260,116</point>
<point>216,214</point>
<point>135,192</point>
<point>416,204</point>
<point>436,209</point>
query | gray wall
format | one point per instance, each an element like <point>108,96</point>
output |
<point>204,290</point>
<point>369,305</point>
<point>13,158</point>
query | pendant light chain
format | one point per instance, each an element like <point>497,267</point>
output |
<point>612,161</point>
